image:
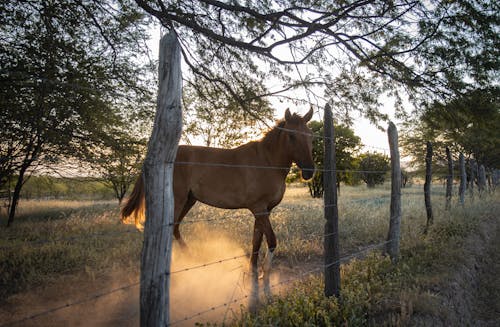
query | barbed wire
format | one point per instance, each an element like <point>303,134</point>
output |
<point>122,288</point>
<point>233,216</point>
<point>70,304</point>
<point>226,304</point>
<point>119,233</point>
<point>225,165</point>
<point>287,281</point>
<point>70,238</point>
<point>204,265</point>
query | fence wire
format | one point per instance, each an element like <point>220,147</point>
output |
<point>232,216</point>
<point>200,313</point>
<point>284,282</point>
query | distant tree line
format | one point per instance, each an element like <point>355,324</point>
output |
<point>353,167</point>
<point>48,187</point>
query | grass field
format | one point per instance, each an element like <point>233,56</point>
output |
<point>84,241</point>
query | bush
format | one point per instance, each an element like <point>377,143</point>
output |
<point>374,167</point>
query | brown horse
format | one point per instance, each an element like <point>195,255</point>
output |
<point>251,176</point>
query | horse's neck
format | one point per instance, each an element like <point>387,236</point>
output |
<point>273,154</point>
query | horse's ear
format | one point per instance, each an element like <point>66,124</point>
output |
<point>288,115</point>
<point>307,117</point>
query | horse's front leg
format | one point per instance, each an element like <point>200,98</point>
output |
<point>271,246</point>
<point>254,272</point>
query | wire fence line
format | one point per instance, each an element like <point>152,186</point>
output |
<point>70,238</point>
<point>96,296</point>
<point>135,231</point>
<point>284,282</point>
<point>184,222</point>
<point>101,294</point>
<point>70,304</point>
<point>225,165</point>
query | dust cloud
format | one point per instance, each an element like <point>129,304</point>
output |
<point>198,294</point>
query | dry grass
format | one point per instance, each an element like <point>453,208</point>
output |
<point>56,238</point>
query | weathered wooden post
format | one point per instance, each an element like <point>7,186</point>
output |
<point>495,178</point>
<point>463,179</point>
<point>331,213</point>
<point>427,185</point>
<point>392,247</point>
<point>489,175</point>
<point>449,179</point>
<point>473,174</point>
<point>158,179</point>
<point>481,180</point>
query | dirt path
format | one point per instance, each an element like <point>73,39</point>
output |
<point>75,301</point>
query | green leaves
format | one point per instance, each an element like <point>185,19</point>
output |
<point>347,145</point>
<point>68,79</point>
<point>374,167</point>
<point>466,124</point>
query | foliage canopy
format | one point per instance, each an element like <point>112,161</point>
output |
<point>467,124</point>
<point>346,146</point>
<point>69,71</point>
<point>436,47</point>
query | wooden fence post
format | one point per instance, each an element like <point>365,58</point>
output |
<point>481,180</point>
<point>331,245</point>
<point>495,178</point>
<point>449,179</point>
<point>427,185</point>
<point>393,237</point>
<point>158,180</point>
<point>473,174</point>
<point>463,179</point>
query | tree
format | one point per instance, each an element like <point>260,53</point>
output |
<point>216,119</point>
<point>467,124</point>
<point>374,166</point>
<point>67,68</point>
<point>346,145</point>
<point>120,162</point>
<point>434,47</point>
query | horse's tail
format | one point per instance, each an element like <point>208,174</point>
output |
<point>135,203</point>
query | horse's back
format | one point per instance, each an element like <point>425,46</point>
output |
<point>226,178</point>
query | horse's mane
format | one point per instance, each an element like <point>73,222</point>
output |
<point>273,134</point>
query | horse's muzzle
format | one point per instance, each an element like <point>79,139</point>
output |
<point>307,172</point>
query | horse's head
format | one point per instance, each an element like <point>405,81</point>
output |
<point>299,141</point>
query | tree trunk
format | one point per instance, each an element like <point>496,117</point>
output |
<point>427,185</point>
<point>158,182</point>
<point>17,193</point>
<point>32,151</point>
<point>331,213</point>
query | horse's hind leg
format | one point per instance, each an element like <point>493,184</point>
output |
<point>271,245</point>
<point>183,210</point>
<point>254,273</point>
